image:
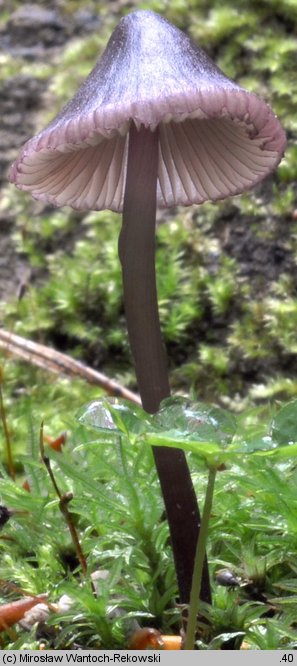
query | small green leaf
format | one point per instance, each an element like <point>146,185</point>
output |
<point>207,431</point>
<point>205,449</point>
<point>96,414</point>
<point>284,425</point>
<point>253,444</point>
<point>217,642</point>
<point>280,452</point>
<point>195,421</point>
<point>112,415</point>
<point>129,419</point>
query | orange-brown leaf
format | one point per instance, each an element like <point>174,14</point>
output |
<point>149,638</point>
<point>15,611</point>
<point>145,638</point>
<point>57,443</point>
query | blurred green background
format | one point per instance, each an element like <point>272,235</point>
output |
<point>227,272</point>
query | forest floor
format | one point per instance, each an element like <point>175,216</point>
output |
<point>260,242</point>
<point>34,33</point>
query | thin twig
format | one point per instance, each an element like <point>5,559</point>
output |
<point>64,500</point>
<point>10,463</point>
<point>51,360</point>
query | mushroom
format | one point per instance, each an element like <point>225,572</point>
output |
<point>155,123</point>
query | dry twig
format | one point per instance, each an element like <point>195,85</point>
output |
<point>53,361</point>
<point>7,438</point>
<point>64,499</point>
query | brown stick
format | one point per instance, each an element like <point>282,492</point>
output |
<point>64,499</point>
<point>53,361</point>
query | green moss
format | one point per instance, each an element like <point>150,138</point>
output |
<point>223,322</point>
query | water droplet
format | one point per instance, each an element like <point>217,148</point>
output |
<point>96,414</point>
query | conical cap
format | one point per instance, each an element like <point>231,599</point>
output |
<point>215,138</point>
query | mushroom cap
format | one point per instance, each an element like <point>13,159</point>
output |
<point>215,138</point>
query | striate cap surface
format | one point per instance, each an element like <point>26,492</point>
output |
<point>215,138</point>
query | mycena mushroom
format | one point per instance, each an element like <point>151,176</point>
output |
<point>155,123</point>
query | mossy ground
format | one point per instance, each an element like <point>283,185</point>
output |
<point>227,280</point>
<point>226,272</point>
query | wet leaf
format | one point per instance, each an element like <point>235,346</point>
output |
<point>209,432</point>
<point>195,421</point>
<point>113,415</point>
<point>96,414</point>
<point>284,425</point>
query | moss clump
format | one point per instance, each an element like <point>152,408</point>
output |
<point>226,272</point>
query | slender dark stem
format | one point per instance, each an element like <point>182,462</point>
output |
<point>137,255</point>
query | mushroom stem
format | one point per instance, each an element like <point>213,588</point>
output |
<point>137,256</point>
